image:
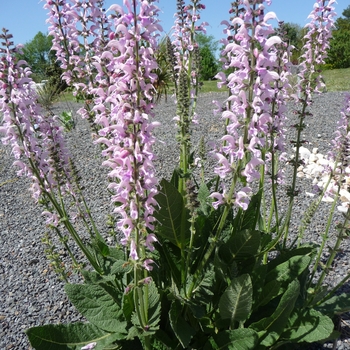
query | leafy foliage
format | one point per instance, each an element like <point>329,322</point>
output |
<point>207,49</point>
<point>339,52</point>
<point>37,53</point>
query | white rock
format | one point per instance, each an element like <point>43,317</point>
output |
<point>300,174</point>
<point>322,161</point>
<point>310,194</point>
<point>313,158</point>
<point>343,208</point>
<point>344,195</point>
<point>315,150</point>
<point>304,152</point>
<point>327,199</point>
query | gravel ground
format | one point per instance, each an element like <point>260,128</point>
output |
<point>30,292</point>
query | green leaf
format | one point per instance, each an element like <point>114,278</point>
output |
<point>241,245</point>
<point>308,250</point>
<point>236,339</point>
<point>102,247</point>
<point>69,336</point>
<point>175,177</point>
<point>288,270</point>
<point>154,306</point>
<point>172,216</point>
<point>117,253</point>
<point>272,327</point>
<point>203,292</point>
<point>308,325</point>
<point>183,331</point>
<point>169,266</point>
<point>268,292</point>
<point>128,305</point>
<point>98,306</point>
<point>336,305</point>
<point>120,267</point>
<point>203,198</point>
<point>151,298</point>
<point>236,302</point>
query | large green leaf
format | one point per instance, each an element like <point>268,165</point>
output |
<point>336,305</point>
<point>241,245</point>
<point>270,328</point>
<point>69,336</point>
<point>308,325</point>
<point>97,305</point>
<point>151,300</point>
<point>236,339</point>
<point>236,302</point>
<point>204,291</point>
<point>268,292</point>
<point>307,249</point>
<point>172,215</point>
<point>288,270</point>
<point>182,330</point>
<point>154,306</point>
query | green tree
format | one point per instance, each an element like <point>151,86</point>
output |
<point>339,52</point>
<point>42,61</point>
<point>38,55</point>
<point>293,33</point>
<point>207,50</point>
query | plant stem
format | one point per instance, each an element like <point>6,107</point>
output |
<point>335,249</point>
<point>295,169</point>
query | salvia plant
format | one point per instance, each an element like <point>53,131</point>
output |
<point>205,259</point>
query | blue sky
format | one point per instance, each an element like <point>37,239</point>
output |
<point>24,18</point>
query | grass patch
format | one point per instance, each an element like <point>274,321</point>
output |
<point>67,96</point>
<point>211,86</point>
<point>337,79</point>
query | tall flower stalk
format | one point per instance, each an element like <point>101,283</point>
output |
<point>38,146</point>
<point>255,115</point>
<point>80,31</point>
<point>316,43</point>
<point>127,134</point>
<point>183,53</point>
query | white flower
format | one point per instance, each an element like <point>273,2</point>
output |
<point>89,346</point>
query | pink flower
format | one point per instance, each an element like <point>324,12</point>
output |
<point>147,264</point>
<point>219,199</point>
<point>243,197</point>
<point>133,251</point>
<point>151,238</point>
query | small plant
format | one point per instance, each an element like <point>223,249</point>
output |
<point>67,120</point>
<point>47,95</point>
